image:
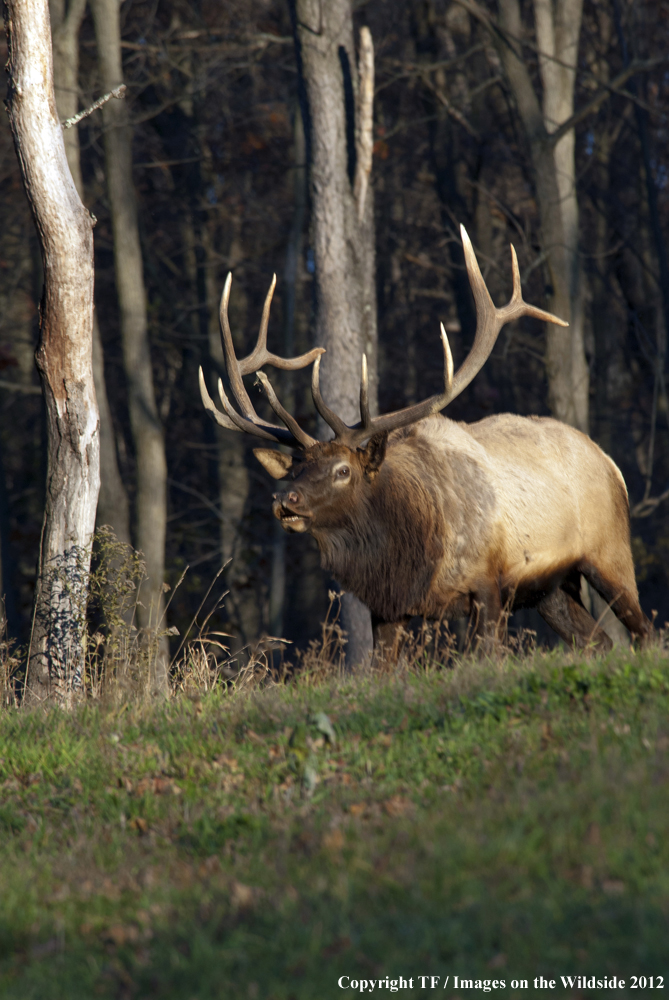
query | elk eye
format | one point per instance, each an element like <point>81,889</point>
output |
<point>343,471</point>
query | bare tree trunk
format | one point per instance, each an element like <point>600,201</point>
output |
<point>558,27</point>
<point>8,611</point>
<point>113,506</point>
<point>336,109</point>
<point>554,172</point>
<point>144,420</point>
<point>293,253</point>
<point>64,356</point>
<point>66,21</point>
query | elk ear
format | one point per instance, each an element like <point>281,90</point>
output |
<point>275,462</point>
<point>374,454</point>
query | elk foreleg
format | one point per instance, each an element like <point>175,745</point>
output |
<point>486,620</point>
<point>572,622</point>
<point>389,640</point>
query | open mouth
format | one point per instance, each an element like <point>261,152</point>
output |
<point>291,521</point>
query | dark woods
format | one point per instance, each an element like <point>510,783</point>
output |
<point>219,162</point>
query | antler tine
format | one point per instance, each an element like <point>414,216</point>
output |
<point>249,421</point>
<point>364,394</point>
<point>489,321</point>
<point>231,364</point>
<point>250,426</point>
<point>410,414</point>
<point>448,361</point>
<point>260,356</point>
<point>304,439</point>
<point>231,420</point>
<point>209,406</point>
<point>517,306</point>
<point>517,293</point>
<point>342,432</point>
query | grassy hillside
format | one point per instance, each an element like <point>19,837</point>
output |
<point>494,822</point>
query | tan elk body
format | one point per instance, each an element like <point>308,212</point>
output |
<point>418,515</point>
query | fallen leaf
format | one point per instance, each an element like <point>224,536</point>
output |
<point>165,786</point>
<point>333,840</point>
<point>120,934</point>
<point>397,806</point>
<point>242,895</point>
<point>225,761</point>
<point>139,823</point>
<point>209,866</point>
<point>337,946</point>
<point>587,879</point>
<point>594,835</point>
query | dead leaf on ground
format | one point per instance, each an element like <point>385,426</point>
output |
<point>587,877</point>
<point>157,786</point>
<point>210,866</point>
<point>357,808</point>
<point>594,836</point>
<point>337,947</point>
<point>120,934</point>
<point>139,823</point>
<point>225,761</point>
<point>241,895</point>
<point>334,840</point>
<point>397,805</point>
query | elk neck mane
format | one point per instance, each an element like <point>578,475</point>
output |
<point>398,533</point>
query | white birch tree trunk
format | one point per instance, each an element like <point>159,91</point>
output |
<point>64,357</point>
<point>66,21</point>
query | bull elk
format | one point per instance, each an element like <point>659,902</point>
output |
<point>419,515</point>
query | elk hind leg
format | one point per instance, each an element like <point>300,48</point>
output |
<point>572,622</point>
<point>622,600</point>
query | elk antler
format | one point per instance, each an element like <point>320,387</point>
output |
<point>489,322</point>
<point>249,421</point>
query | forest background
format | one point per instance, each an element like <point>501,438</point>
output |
<point>219,173</point>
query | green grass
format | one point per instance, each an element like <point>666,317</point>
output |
<point>497,821</point>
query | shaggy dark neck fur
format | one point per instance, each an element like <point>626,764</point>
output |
<point>393,542</point>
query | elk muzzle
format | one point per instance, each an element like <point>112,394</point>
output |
<point>286,509</point>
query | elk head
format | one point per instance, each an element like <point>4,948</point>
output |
<point>328,480</point>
